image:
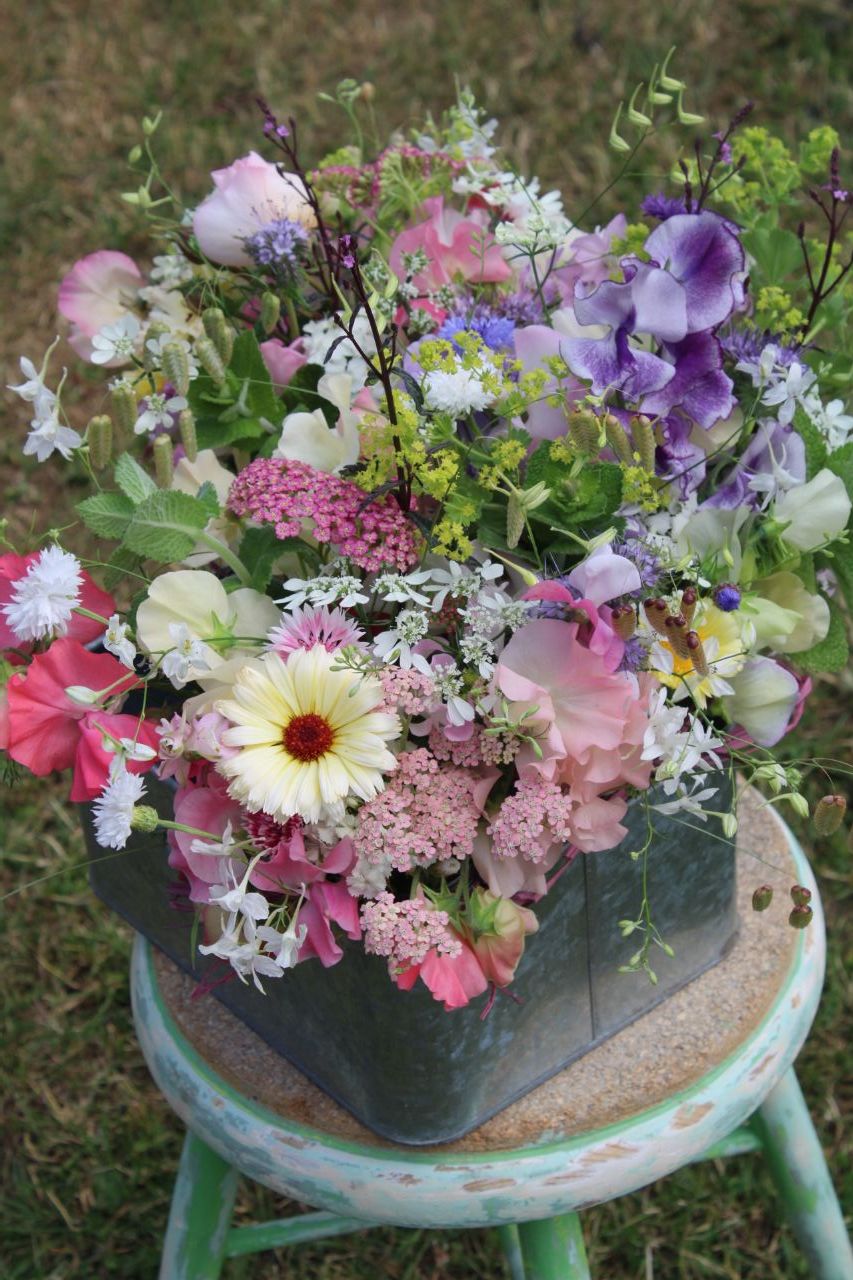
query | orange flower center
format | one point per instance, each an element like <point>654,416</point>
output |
<point>308,737</point>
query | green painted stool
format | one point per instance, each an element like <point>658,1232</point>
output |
<point>708,1073</point>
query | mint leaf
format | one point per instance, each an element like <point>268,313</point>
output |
<point>106,514</point>
<point>207,496</point>
<point>776,251</point>
<point>133,481</point>
<point>166,526</point>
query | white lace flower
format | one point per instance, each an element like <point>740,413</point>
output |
<point>116,341</point>
<point>113,809</point>
<point>458,582</point>
<point>343,589</point>
<point>115,640</point>
<point>410,626</point>
<point>404,588</point>
<point>43,600</point>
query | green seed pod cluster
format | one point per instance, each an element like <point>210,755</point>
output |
<point>219,332</point>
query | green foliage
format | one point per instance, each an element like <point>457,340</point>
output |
<point>776,251</point>
<point>259,550</point>
<point>166,525</point>
<point>245,408</point>
<point>833,652</point>
<point>107,514</point>
<point>133,481</point>
<point>816,151</point>
<point>816,450</point>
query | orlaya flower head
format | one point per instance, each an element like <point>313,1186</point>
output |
<point>248,195</point>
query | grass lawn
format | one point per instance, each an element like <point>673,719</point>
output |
<point>87,1171</point>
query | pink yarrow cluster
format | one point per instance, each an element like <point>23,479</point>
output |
<point>373,534</point>
<point>409,691</point>
<point>535,817</point>
<point>425,814</point>
<point>405,932</point>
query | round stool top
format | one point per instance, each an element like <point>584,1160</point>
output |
<point>654,1096</point>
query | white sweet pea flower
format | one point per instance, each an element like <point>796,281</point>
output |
<point>815,513</point>
<point>762,699</point>
<point>307,437</point>
<point>787,618</point>
<point>116,342</point>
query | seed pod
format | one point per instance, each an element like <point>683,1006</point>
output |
<point>623,619</point>
<point>585,430</point>
<point>645,444</point>
<point>176,366</point>
<point>693,642</point>
<point>800,895</point>
<point>762,897</point>
<point>514,521</point>
<point>162,449</point>
<point>209,359</point>
<point>126,410</point>
<point>219,332</point>
<point>153,333</point>
<point>270,311</point>
<point>99,437</point>
<point>675,630</point>
<point>618,440</point>
<point>800,917</point>
<point>829,814</point>
<point>186,423</point>
<point>656,612</point>
<point>689,600</point>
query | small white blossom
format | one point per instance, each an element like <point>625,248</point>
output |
<point>831,421</point>
<point>458,582</point>
<point>113,809</point>
<point>116,341</point>
<point>221,848</point>
<point>188,652</point>
<point>403,588</point>
<point>687,803</point>
<point>284,944</point>
<point>368,879</point>
<point>244,953</point>
<point>410,626</point>
<point>457,393</point>
<point>318,336</point>
<point>447,679</point>
<point>158,412</point>
<point>237,899</point>
<point>343,589</point>
<point>43,600</point>
<point>48,435</point>
<point>115,640</point>
<point>33,390</point>
<point>171,269</point>
<point>789,390</point>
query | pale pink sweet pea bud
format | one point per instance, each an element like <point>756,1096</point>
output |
<point>248,195</point>
<point>98,290</point>
<point>500,926</point>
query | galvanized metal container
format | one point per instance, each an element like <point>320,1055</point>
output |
<point>405,1068</point>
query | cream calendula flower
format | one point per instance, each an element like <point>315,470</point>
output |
<point>307,736</point>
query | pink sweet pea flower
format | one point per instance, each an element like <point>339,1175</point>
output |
<point>44,723</point>
<point>604,576</point>
<point>92,758</point>
<point>582,703</point>
<point>328,902</point>
<point>457,247</point>
<point>207,808</point>
<point>501,928</point>
<point>596,634</point>
<point>453,979</point>
<point>248,195</point>
<point>283,361</point>
<point>98,290</point>
<point>13,567</point>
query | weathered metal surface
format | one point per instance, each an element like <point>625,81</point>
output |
<point>409,1188</point>
<point>793,1152</point>
<point>554,1249</point>
<point>396,1060</point>
<point>200,1216</point>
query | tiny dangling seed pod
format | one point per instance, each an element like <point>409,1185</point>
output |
<point>689,600</point>
<point>219,332</point>
<point>829,814</point>
<point>514,521</point>
<point>800,917</point>
<point>623,619</point>
<point>695,649</point>
<point>800,895</point>
<point>762,897</point>
<point>208,357</point>
<point>270,311</point>
<point>189,439</point>
<point>656,612</point>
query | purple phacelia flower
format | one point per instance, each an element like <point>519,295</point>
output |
<point>727,597</point>
<point>277,247</point>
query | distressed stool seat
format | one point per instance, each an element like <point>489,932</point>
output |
<point>706,1073</point>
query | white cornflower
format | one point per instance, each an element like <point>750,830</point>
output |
<point>116,341</point>
<point>343,589</point>
<point>158,412</point>
<point>113,809</point>
<point>457,393</point>
<point>115,640</point>
<point>410,626</point>
<point>188,652</point>
<point>48,435</point>
<point>43,599</point>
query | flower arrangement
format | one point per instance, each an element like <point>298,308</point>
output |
<point>444,527</point>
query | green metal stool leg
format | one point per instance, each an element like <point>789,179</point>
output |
<point>553,1249</point>
<point>512,1251</point>
<point>798,1167</point>
<point>202,1203</point>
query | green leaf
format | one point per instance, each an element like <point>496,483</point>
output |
<point>121,563</point>
<point>106,514</point>
<point>833,652</point>
<point>259,550</point>
<point>247,365</point>
<point>776,251</point>
<point>166,526</point>
<point>207,496</point>
<point>816,451</point>
<point>133,481</point>
<point>841,463</point>
<point>591,496</point>
<point>211,433</point>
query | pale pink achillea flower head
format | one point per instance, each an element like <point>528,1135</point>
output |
<point>308,626</point>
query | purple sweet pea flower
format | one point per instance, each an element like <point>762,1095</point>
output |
<point>678,459</point>
<point>773,461</point>
<point>703,253</point>
<point>661,206</point>
<point>699,386</point>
